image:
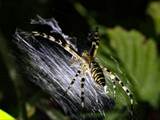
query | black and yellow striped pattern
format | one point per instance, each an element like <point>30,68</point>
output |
<point>94,37</point>
<point>115,79</point>
<point>97,73</point>
<point>60,41</point>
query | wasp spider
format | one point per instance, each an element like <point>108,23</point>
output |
<point>88,63</point>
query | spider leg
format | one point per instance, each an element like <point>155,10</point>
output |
<point>114,88</point>
<point>73,81</point>
<point>58,39</point>
<point>82,92</point>
<point>94,38</point>
<point>113,82</point>
<point>115,79</point>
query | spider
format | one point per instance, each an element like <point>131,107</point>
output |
<point>88,63</point>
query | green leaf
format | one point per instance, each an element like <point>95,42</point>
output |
<point>139,58</point>
<point>154,12</point>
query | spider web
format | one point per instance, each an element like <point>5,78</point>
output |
<point>48,65</point>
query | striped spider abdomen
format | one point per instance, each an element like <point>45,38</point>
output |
<point>97,73</point>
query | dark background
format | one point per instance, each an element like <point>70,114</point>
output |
<point>128,13</point>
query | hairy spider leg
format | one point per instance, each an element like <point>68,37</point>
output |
<point>61,42</point>
<point>73,80</point>
<point>94,38</point>
<point>117,80</point>
<point>82,92</point>
<point>82,87</point>
<point>113,82</point>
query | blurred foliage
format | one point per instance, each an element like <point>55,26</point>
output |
<point>140,64</point>
<point>153,11</point>
<point>139,57</point>
<point>126,49</point>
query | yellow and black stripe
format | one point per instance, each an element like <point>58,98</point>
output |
<point>73,80</point>
<point>94,37</point>
<point>82,92</point>
<point>115,79</point>
<point>97,73</point>
<point>60,41</point>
